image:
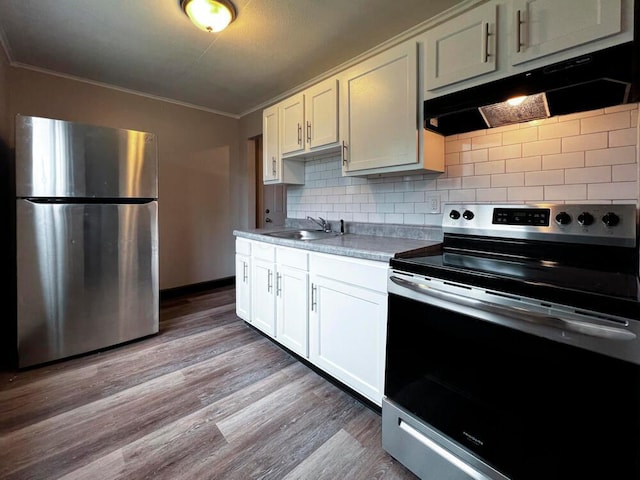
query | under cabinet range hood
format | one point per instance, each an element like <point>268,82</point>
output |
<point>596,80</point>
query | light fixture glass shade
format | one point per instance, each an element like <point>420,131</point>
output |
<point>210,15</point>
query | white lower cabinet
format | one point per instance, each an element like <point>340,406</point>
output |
<point>329,309</point>
<point>292,305</point>
<point>347,323</point>
<point>243,279</point>
<point>263,292</point>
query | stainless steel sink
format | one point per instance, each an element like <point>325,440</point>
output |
<point>302,234</point>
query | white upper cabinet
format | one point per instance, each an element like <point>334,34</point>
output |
<point>292,121</point>
<point>462,48</point>
<point>499,38</point>
<point>274,168</point>
<point>543,27</point>
<point>271,149</point>
<point>380,115</point>
<point>309,120</point>
<point>321,124</point>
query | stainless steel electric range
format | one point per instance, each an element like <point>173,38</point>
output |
<point>513,349</point>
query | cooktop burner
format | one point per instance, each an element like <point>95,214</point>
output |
<point>581,255</point>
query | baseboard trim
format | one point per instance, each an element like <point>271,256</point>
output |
<point>171,293</point>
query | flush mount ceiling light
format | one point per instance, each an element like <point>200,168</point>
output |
<point>209,15</point>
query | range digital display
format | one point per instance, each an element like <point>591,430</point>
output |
<point>538,217</point>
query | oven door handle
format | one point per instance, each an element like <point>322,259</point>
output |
<point>556,322</point>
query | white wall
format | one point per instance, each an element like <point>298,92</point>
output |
<point>585,157</point>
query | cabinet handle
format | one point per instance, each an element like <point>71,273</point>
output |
<point>344,153</point>
<point>269,281</point>
<point>308,131</point>
<point>519,23</point>
<point>314,293</point>
<point>299,134</point>
<point>273,163</point>
<point>245,276</point>
<point>278,284</point>
<point>485,42</point>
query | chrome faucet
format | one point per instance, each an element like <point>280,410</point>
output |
<point>322,223</point>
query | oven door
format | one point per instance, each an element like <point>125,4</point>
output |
<point>474,392</point>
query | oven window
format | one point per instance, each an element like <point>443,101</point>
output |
<point>530,407</point>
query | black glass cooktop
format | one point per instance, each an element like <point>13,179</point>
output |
<point>604,291</point>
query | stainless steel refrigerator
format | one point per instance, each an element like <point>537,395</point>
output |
<point>86,238</point>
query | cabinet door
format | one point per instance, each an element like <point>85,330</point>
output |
<point>321,124</point>
<point>542,27</point>
<point>378,110</point>
<point>347,334</point>
<point>263,295</point>
<point>243,287</point>
<point>462,48</point>
<point>292,309</point>
<point>271,153</point>
<point>291,124</point>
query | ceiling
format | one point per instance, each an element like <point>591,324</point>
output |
<point>151,47</point>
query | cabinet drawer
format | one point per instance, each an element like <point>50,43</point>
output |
<point>243,246</point>
<point>363,273</point>
<point>263,251</point>
<point>293,257</point>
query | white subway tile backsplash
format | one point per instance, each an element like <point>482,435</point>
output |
<point>525,193</point>
<point>486,141</point>
<point>488,168</point>
<point>585,157</point>
<point>521,135</point>
<point>604,123</point>
<point>462,195</point>
<point>559,129</point>
<point>565,192</point>
<point>463,170</point>
<point>624,173</point>
<point>611,156</point>
<point>491,195</point>
<point>449,183</point>
<point>480,181</point>
<point>624,137</point>
<point>563,160</point>
<point>581,143</point>
<point>545,177</point>
<point>502,153</point>
<point>474,156</point>
<point>526,164</point>
<point>507,180</point>
<point>541,147</point>
<point>613,191</point>
<point>588,175</point>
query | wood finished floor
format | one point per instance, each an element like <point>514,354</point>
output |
<point>206,398</point>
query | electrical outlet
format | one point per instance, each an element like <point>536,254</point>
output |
<point>434,204</point>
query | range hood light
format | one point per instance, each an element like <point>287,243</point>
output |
<point>515,101</point>
<point>516,110</point>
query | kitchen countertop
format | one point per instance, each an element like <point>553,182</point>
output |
<point>369,247</point>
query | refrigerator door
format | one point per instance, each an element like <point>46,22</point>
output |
<point>87,277</point>
<point>61,159</point>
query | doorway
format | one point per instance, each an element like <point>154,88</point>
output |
<point>271,200</point>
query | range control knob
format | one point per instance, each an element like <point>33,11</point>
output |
<point>563,218</point>
<point>468,215</point>
<point>455,214</point>
<point>610,219</point>
<point>585,218</point>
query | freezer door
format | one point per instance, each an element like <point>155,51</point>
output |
<point>87,277</point>
<point>68,159</point>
